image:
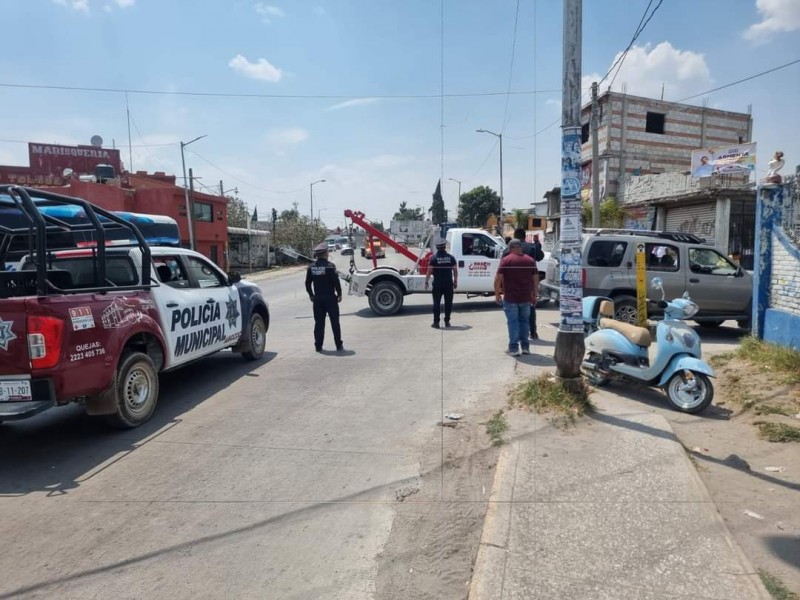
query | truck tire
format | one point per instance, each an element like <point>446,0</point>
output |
<point>136,391</point>
<point>257,337</point>
<point>386,298</point>
<point>625,309</point>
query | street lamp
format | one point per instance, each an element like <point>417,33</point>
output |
<point>500,137</point>
<point>189,209</point>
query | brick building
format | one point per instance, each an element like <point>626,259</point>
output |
<point>140,192</point>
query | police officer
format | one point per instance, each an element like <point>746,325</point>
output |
<point>325,291</point>
<point>444,268</point>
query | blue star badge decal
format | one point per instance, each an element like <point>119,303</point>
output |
<point>6,335</point>
<point>232,314</point>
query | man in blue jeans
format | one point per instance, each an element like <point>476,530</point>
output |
<point>515,288</point>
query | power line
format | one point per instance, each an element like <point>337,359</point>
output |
<point>273,96</point>
<point>133,146</point>
<point>242,181</point>
<point>727,85</point>
<point>511,67</point>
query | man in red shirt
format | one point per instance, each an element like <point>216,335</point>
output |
<point>515,288</point>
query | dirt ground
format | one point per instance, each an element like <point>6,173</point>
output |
<point>754,483</point>
<point>434,541</point>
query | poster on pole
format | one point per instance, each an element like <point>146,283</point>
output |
<point>641,285</point>
<point>571,272</point>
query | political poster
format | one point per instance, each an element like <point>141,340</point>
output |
<point>724,160</point>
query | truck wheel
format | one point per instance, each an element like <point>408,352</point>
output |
<point>385,298</point>
<point>136,390</point>
<point>257,336</point>
<point>625,309</point>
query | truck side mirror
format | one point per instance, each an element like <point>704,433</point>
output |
<point>234,277</point>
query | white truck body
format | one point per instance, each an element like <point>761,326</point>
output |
<point>477,254</point>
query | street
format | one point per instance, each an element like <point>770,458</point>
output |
<point>304,475</point>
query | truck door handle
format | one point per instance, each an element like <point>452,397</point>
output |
<point>693,280</point>
<point>172,304</point>
<point>210,301</point>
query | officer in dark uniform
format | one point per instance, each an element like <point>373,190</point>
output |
<point>444,269</point>
<point>325,291</point>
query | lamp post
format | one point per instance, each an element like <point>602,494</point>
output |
<point>458,206</point>
<point>499,136</point>
<point>189,209</point>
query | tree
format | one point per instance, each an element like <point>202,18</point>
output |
<point>237,212</point>
<point>477,205</point>
<point>611,213</point>
<point>438,212</point>
<point>408,214</point>
<point>520,218</point>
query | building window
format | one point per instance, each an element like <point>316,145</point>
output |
<point>584,133</point>
<point>203,212</point>
<point>654,123</point>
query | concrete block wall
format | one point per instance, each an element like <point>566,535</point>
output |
<point>785,283</point>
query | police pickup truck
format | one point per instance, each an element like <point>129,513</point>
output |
<point>95,322</point>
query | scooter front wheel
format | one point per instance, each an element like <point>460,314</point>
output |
<point>690,392</point>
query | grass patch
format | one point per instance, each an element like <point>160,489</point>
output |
<point>778,432</point>
<point>496,427</point>
<point>547,393</point>
<point>775,587</point>
<point>772,409</point>
<point>775,359</point>
<point>720,360</point>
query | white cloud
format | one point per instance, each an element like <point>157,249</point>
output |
<point>776,16</point>
<point>287,137</point>
<point>351,103</point>
<point>79,5</point>
<point>383,161</point>
<point>646,68</point>
<point>267,12</point>
<point>125,3</point>
<point>261,69</point>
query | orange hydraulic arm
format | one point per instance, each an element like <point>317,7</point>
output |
<point>359,219</point>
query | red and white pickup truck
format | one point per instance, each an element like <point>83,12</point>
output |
<point>97,324</point>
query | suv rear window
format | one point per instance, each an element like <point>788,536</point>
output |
<point>606,253</point>
<point>120,270</point>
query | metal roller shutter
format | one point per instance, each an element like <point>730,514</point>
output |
<point>699,219</point>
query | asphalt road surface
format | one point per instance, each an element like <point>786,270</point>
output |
<point>273,479</point>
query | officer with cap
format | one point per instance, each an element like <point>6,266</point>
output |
<point>325,291</point>
<point>444,269</point>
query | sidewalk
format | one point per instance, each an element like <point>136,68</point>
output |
<point>609,509</point>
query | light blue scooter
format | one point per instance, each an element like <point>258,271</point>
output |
<point>619,351</point>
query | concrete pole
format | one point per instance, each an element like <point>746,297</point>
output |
<point>186,198</point>
<point>595,160</point>
<point>190,210</point>
<point>502,220</point>
<point>569,340</point>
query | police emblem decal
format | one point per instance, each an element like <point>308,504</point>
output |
<point>232,314</point>
<point>6,335</point>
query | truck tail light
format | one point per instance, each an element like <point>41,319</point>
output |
<point>44,341</point>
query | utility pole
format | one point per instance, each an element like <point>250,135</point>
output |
<point>189,214</point>
<point>221,189</point>
<point>190,209</point>
<point>595,160</point>
<point>569,340</point>
<point>499,136</point>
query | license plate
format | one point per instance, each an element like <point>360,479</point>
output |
<point>15,390</point>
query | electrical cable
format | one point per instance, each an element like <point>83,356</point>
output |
<point>242,181</point>
<point>635,36</point>
<point>511,68</point>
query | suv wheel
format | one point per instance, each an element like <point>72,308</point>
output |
<point>625,309</point>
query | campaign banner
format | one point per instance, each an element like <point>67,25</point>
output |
<point>724,160</point>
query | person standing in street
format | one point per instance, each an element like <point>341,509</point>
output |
<point>325,292</point>
<point>444,269</point>
<point>533,250</point>
<point>515,288</point>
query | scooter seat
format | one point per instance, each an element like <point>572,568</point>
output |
<point>638,335</point>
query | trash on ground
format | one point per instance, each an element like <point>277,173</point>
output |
<point>755,515</point>
<point>699,449</point>
<point>775,469</point>
<point>453,416</point>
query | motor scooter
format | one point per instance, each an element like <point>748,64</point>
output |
<point>620,351</point>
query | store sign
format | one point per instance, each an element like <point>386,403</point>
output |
<point>54,158</point>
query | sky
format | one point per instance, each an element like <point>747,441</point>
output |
<point>380,98</point>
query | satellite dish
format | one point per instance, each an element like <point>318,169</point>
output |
<point>67,173</point>
<point>96,141</point>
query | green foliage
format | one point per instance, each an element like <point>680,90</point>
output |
<point>298,231</point>
<point>772,358</point>
<point>520,218</point>
<point>611,214</point>
<point>547,393</point>
<point>438,212</point>
<point>776,587</point>
<point>477,205</point>
<point>778,432</point>
<point>496,427</point>
<point>408,214</point>
<point>237,212</point>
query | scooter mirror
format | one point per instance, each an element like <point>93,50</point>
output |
<point>656,283</point>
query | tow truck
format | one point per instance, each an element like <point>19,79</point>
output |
<point>477,253</point>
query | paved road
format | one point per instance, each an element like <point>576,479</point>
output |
<point>275,479</point>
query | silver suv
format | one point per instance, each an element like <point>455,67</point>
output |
<point>721,288</point>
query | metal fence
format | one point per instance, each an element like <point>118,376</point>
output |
<point>791,209</point>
